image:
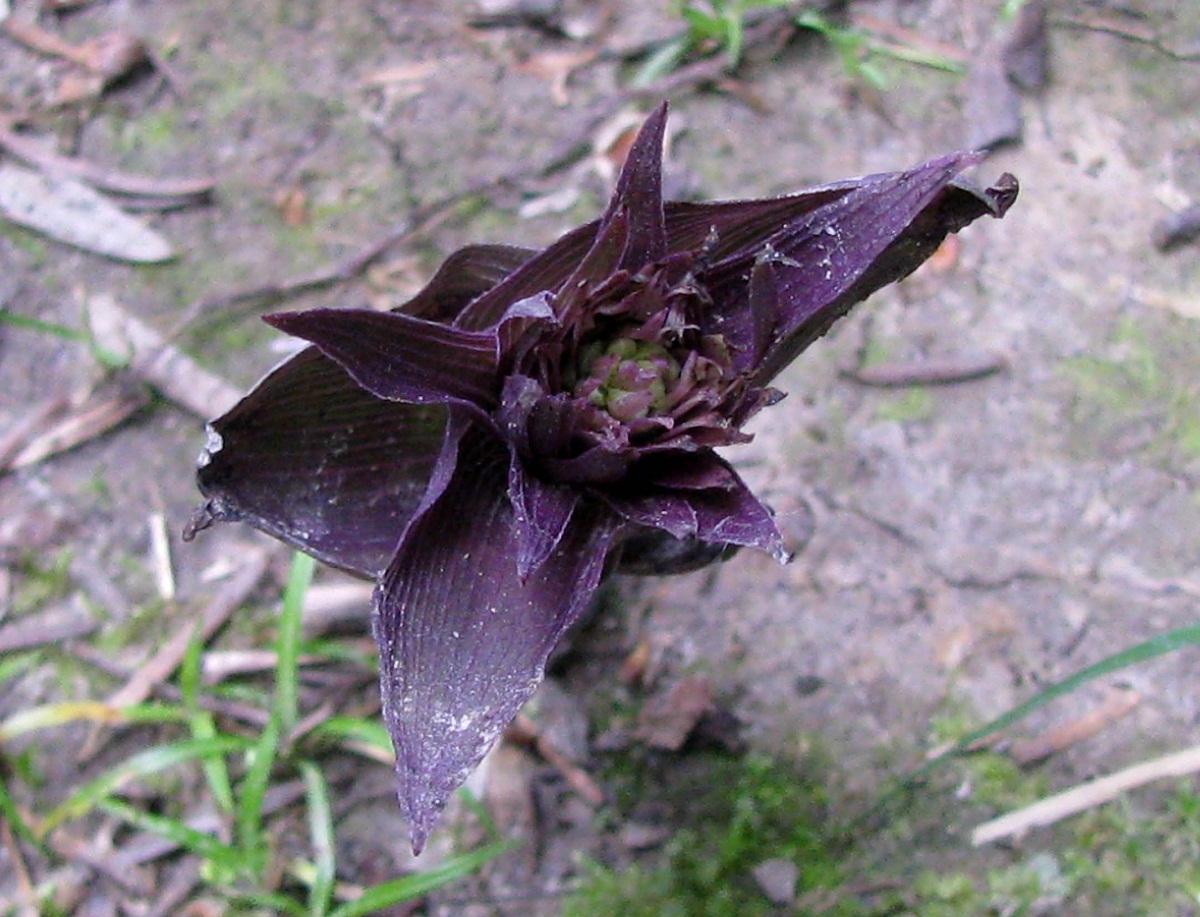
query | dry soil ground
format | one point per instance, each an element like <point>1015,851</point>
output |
<point>973,541</point>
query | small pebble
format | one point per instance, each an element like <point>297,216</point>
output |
<point>777,880</point>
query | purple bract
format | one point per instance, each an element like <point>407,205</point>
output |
<point>531,420</point>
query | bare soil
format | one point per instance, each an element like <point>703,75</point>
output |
<point>974,541</point>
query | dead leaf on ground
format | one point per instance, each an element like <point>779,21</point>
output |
<point>666,720</point>
<point>71,212</point>
<point>557,67</point>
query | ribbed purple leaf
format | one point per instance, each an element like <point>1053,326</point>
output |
<point>738,224</point>
<point>401,358</point>
<point>741,225</point>
<point>313,459</point>
<point>837,254</point>
<point>598,263</point>
<point>708,501</point>
<point>465,274</point>
<point>540,515</point>
<point>463,641</point>
<point>638,194</point>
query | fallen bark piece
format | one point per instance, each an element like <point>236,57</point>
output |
<point>1085,796</point>
<point>71,212</point>
<point>668,719</point>
<point>159,363</point>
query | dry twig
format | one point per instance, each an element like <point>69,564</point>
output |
<point>168,192</point>
<point>95,417</point>
<point>1086,796</point>
<point>1029,751</point>
<point>943,371</point>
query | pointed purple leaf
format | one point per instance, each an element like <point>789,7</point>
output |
<point>598,264</point>
<point>837,254</point>
<point>638,197</point>
<point>741,225</point>
<point>313,459</point>
<point>708,501</point>
<point>824,254</point>
<point>638,194</point>
<point>401,358</point>
<point>463,641</point>
<point>464,275</point>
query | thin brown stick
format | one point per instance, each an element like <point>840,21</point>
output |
<point>908,37</point>
<point>17,437</point>
<point>1086,796</point>
<point>1109,26</point>
<point>163,664</point>
<point>347,269</point>
<point>95,417</point>
<point>44,629</point>
<point>125,875</point>
<point>1029,751</point>
<point>234,710</point>
<point>525,730</point>
<point>165,192</point>
<point>943,371</point>
<point>35,38</point>
<point>24,882</point>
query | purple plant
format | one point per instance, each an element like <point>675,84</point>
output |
<point>531,420</point>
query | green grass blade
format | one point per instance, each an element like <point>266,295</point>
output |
<point>216,771</point>
<point>287,703</point>
<point>51,715</point>
<point>36,324</point>
<point>387,894</point>
<point>1169,642</point>
<point>212,848</point>
<point>12,815</point>
<point>253,790</point>
<point>351,730</point>
<point>151,761</point>
<point>16,664</point>
<point>201,723</point>
<point>189,670</point>
<point>320,830</point>
<point>272,903</point>
<point>106,358</point>
<point>661,62</point>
